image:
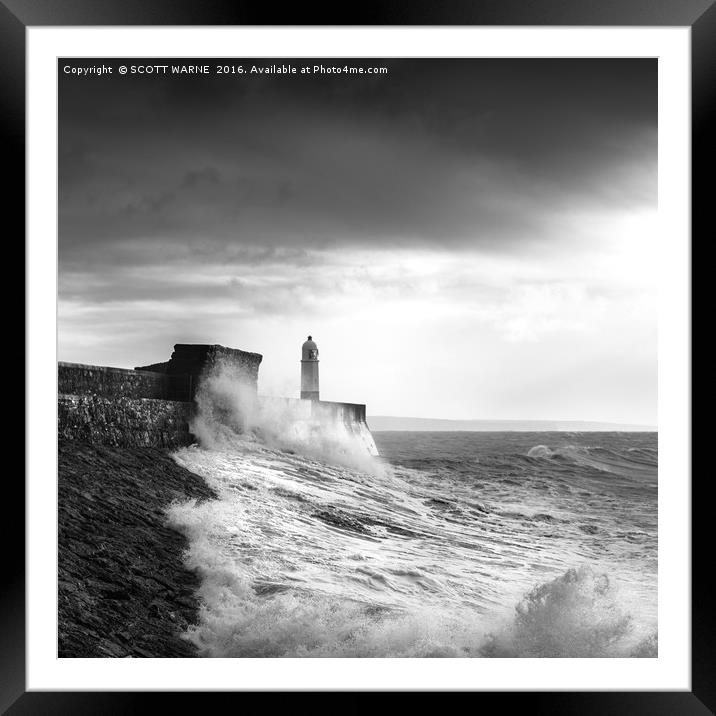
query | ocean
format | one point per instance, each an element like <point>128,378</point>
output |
<point>450,544</point>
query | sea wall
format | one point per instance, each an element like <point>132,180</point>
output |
<point>80,379</point>
<point>192,362</point>
<point>316,409</point>
<point>145,407</point>
<point>152,406</point>
<point>124,422</point>
<point>349,418</point>
<point>347,412</point>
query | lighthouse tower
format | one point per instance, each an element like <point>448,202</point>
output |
<point>309,370</point>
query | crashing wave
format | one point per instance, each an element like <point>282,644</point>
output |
<point>315,548</point>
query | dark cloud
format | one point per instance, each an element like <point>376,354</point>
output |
<point>469,153</point>
<point>503,206</point>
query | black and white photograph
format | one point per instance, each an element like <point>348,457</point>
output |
<point>357,357</point>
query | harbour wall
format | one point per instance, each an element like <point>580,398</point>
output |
<point>154,406</point>
<point>315,416</point>
<point>124,422</point>
<point>80,379</point>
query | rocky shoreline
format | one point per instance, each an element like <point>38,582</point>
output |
<point>123,589</point>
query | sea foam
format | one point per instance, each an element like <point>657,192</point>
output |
<point>315,548</point>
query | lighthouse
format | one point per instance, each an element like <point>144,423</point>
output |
<point>309,370</point>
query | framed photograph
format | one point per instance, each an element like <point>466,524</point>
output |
<point>359,355</point>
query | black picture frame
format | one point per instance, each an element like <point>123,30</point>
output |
<point>699,15</point>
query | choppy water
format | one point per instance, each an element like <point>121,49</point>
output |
<point>450,544</point>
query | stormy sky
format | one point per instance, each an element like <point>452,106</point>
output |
<point>462,238</point>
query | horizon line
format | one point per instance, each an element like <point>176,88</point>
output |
<point>646,426</point>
